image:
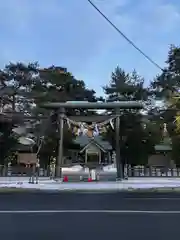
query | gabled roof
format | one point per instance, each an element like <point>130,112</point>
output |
<point>92,142</point>
<point>84,140</point>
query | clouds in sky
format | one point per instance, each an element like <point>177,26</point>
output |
<point>71,33</point>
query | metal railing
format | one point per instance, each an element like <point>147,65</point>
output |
<point>153,172</point>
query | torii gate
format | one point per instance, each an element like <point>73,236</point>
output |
<point>117,106</point>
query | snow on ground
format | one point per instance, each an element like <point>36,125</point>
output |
<point>135,183</point>
<point>110,168</point>
<point>132,183</point>
<point>76,168</point>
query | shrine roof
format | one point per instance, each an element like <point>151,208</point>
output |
<point>163,147</point>
<point>84,140</point>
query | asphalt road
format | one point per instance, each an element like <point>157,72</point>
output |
<point>88,216</point>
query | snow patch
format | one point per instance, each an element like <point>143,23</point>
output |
<point>122,185</point>
<point>110,168</point>
<point>76,168</point>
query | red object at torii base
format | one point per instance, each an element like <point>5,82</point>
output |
<point>65,179</point>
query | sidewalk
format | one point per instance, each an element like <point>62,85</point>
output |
<point>130,184</point>
<point>15,180</point>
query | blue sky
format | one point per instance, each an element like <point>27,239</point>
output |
<point>72,34</point>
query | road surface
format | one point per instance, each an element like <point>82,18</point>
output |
<point>89,216</point>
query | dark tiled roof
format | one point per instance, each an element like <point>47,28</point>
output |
<point>23,148</point>
<point>163,147</point>
<point>84,140</point>
<point>3,118</point>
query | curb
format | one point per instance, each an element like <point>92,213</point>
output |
<point>129,190</point>
<point>14,189</point>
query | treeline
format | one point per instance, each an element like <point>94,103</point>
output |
<point>24,87</point>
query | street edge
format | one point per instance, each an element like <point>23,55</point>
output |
<point>144,190</point>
